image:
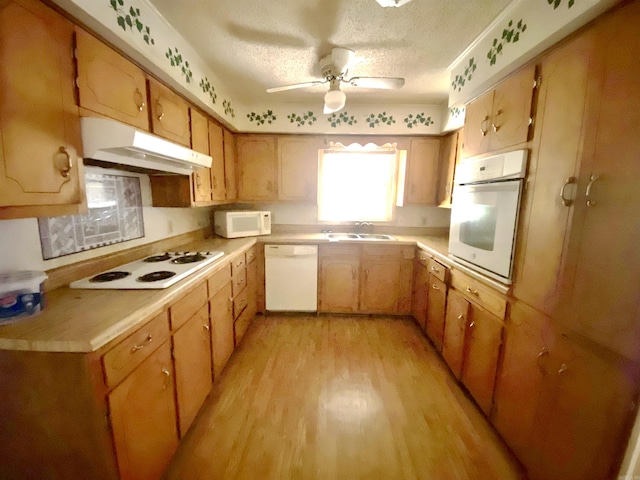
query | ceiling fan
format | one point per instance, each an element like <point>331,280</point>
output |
<point>334,68</point>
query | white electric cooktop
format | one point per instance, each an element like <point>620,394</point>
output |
<point>155,272</point>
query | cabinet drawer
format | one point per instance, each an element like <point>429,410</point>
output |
<point>240,303</point>
<point>184,308</point>
<point>438,270</point>
<point>237,264</point>
<point>422,257</point>
<point>388,251</point>
<point>479,293</point>
<point>347,250</point>
<point>251,254</point>
<point>128,354</point>
<point>218,280</point>
<point>238,283</point>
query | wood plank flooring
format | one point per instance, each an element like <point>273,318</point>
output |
<point>308,397</point>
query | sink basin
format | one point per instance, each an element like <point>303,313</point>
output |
<point>375,236</point>
<point>359,236</point>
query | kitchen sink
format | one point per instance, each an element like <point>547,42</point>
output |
<point>359,236</point>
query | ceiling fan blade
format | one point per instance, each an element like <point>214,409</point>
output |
<point>341,58</point>
<point>296,85</point>
<point>387,83</point>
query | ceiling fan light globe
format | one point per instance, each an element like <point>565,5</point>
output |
<point>392,3</point>
<point>334,100</point>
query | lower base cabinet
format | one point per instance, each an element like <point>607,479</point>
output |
<point>436,304</point>
<point>563,406</point>
<point>142,411</point>
<point>455,331</point>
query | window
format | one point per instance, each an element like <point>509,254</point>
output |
<point>357,183</point>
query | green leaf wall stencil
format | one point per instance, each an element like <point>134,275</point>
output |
<point>307,118</point>
<point>412,121</point>
<point>341,119</point>
<point>176,60</point>
<point>511,34</point>
<point>260,119</point>
<point>130,20</point>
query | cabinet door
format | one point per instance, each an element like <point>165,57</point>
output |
<point>200,143</point>
<point>256,162</point>
<point>297,169</point>
<point>169,114</point>
<point>231,192</point>
<point>379,292</point>
<point>455,329</point>
<point>143,418</point>
<point>192,360</point>
<point>558,139</point>
<point>483,350</point>
<point>605,294</point>
<point>109,84</point>
<point>422,171</point>
<point>221,307</point>
<point>448,158</point>
<point>420,294</point>
<point>524,374</point>
<point>510,118</point>
<point>436,310</point>
<point>40,124</point>
<point>477,125</point>
<point>585,415</point>
<point>339,280</point>
<point>216,144</point>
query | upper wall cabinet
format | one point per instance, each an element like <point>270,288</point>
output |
<point>501,117</point>
<point>257,168</point>
<point>449,155</point>
<point>109,84</point>
<point>229,140</point>
<point>298,168</point>
<point>169,114</point>
<point>201,177</point>
<point>216,143</point>
<point>39,121</point>
<point>421,186</point>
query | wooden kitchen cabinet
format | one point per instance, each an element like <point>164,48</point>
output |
<point>192,361</point>
<point>109,84</point>
<point>484,338</point>
<point>436,304</point>
<point>143,418</point>
<point>501,117</point>
<point>169,114</point>
<point>420,289</point>
<point>221,313</point>
<point>229,140</point>
<point>256,163</point>
<point>297,168</point>
<point>339,278</point>
<point>40,125</point>
<point>201,177</point>
<point>216,144</point>
<point>455,332</point>
<point>421,185</point>
<point>450,149</point>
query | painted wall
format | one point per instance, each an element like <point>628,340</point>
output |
<point>20,240</point>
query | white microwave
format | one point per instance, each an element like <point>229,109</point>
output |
<point>241,223</point>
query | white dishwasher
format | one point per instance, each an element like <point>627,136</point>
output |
<point>291,278</point>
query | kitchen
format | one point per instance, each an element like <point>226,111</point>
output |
<point>551,253</point>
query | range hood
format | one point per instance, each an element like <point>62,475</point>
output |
<point>111,144</point>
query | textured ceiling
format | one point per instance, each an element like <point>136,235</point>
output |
<point>252,45</point>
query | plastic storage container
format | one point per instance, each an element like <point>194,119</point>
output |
<point>21,294</point>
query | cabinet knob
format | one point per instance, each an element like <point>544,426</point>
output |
<point>543,354</point>
<point>160,111</point>
<point>567,202</point>
<point>63,161</point>
<point>206,327</point>
<point>167,376</point>
<point>472,291</point>
<point>140,346</point>
<point>138,99</point>
<point>484,129</point>
<point>435,269</point>
<point>563,368</point>
<point>198,180</point>
<point>494,125</point>
<point>593,179</point>
<point>435,287</point>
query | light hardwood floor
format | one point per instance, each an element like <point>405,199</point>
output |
<point>339,398</point>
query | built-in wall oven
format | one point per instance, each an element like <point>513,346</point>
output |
<point>484,212</point>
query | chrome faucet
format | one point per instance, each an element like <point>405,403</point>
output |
<point>359,226</point>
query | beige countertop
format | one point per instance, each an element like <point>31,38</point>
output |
<point>76,320</point>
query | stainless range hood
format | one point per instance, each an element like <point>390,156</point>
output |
<point>109,143</point>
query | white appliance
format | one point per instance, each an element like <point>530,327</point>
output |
<point>155,272</point>
<point>484,212</point>
<point>241,223</point>
<point>109,143</point>
<point>291,278</point>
